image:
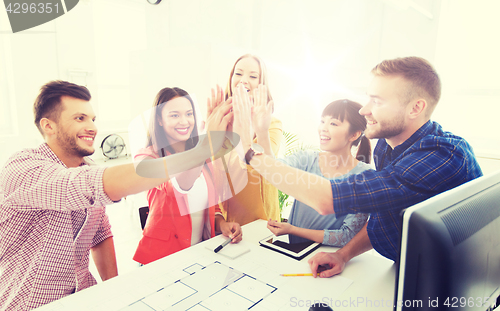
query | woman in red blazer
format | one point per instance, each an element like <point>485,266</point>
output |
<point>184,210</point>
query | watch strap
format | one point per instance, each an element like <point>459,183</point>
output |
<point>249,155</point>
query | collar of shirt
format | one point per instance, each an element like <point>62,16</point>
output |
<point>46,151</point>
<point>384,154</point>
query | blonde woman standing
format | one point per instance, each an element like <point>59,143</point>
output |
<point>258,199</point>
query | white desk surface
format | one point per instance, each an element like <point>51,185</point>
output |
<point>372,287</point>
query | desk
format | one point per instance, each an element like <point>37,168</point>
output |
<point>372,287</point>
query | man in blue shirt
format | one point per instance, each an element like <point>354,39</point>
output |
<point>415,160</point>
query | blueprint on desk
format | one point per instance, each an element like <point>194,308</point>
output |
<point>214,287</point>
<point>197,279</point>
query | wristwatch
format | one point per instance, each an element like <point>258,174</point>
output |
<point>255,149</point>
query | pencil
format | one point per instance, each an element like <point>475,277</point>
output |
<point>297,274</point>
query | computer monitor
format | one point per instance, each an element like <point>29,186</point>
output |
<point>450,250</point>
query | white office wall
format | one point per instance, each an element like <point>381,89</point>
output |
<point>324,50</point>
<point>316,51</point>
<point>468,60</point>
<point>29,60</point>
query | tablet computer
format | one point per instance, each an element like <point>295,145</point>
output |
<point>290,245</point>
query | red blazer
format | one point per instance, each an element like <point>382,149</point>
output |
<point>168,227</point>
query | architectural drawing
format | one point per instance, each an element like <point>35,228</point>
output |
<point>215,287</point>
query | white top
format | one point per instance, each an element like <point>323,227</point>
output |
<point>198,208</point>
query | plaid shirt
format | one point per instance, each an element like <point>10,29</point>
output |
<point>431,161</point>
<point>50,216</point>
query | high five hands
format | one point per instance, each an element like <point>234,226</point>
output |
<point>242,123</point>
<point>261,111</point>
<point>219,112</point>
<point>248,118</point>
<point>219,120</point>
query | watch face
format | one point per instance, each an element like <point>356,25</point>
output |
<point>258,148</point>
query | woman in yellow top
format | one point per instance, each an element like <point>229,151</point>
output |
<point>258,199</point>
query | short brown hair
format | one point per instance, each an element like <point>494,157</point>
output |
<point>48,102</point>
<point>423,78</point>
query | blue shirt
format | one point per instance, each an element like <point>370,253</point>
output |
<point>338,230</point>
<point>431,161</point>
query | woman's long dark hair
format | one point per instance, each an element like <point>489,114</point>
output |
<point>156,134</point>
<point>345,109</point>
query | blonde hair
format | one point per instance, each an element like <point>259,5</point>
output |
<point>423,79</point>
<point>262,78</point>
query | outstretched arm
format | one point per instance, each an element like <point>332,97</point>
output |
<point>187,178</point>
<point>123,180</point>
<point>308,188</point>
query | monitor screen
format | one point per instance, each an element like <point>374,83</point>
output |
<point>450,250</point>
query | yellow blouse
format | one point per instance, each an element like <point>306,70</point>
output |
<point>258,199</point>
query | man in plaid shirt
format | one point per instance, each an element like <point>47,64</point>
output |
<point>52,202</point>
<point>415,159</point>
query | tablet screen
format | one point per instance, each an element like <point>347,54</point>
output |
<point>290,245</point>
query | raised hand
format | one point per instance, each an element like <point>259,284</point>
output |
<point>261,110</point>
<point>215,100</point>
<point>217,124</point>
<point>242,124</point>
<point>220,116</point>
